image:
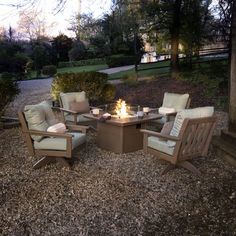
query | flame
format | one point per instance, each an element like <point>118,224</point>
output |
<point>121,109</point>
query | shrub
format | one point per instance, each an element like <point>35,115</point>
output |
<point>131,80</point>
<point>95,61</point>
<point>8,90</point>
<point>49,70</point>
<point>121,60</point>
<point>93,83</point>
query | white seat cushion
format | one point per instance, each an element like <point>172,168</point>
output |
<point>166,110</point>
<point>160,145</point>
<point>199,112</point>
<point>176,101</point>
<point>60,143</point>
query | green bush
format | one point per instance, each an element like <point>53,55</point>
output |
<point>121,60</point>
<point>8,90</point>
<point>49,70</point>
<point>131,80</point>
<point>95,61</point>
<point>93,83</point>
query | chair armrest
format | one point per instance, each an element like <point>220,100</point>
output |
<point>164,136</point>
<point>81,128</point>
<point>153,109</point>
<point>171,114</point>
<point>50,134</point>
<point>69,111</point>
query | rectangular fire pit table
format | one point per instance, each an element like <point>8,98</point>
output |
<point>121,135</point>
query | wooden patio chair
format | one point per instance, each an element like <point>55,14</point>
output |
<point>172,103</point>
<point>178,147</point>
<point>52,146</point>
<point>74,114</point>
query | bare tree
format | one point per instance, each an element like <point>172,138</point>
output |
<point>33,25</point>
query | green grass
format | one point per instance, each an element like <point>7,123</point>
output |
<point>72,69</point>
<point>150,70</point>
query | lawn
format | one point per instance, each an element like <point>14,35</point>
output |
<point>73,69</point>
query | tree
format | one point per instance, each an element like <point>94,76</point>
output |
<point>232,95</point>
<point>33,25</point>
<point>61,46</point>
<point>78,51</point>
<point>39,58</point>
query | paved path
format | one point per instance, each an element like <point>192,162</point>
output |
<point>35,91</point>
<point>117,69</point>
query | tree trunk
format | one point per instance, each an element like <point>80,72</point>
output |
<point>232,102</point>
<point>175,39</point>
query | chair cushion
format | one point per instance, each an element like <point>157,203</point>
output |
<point>80,96</point>
<point>166,110</point>
<point>167,127</point>
<point>67,98</point>
<point>176,101</point>
<point>160,145</point>
<point>36,119</point>
<point>50,117</point>
<point>60,143</point>
<point>82,107</point>
<point>39,117</point>
<point>199,112</point>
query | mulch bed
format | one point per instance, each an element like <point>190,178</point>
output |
<point>112,194</point>
<point>151,92</point>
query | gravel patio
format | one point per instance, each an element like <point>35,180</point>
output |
<point>112,194</point>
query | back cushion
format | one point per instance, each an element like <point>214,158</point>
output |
<point>191,114</point>
<point>36,119</point>
<point>81,107</point>
<point>80,97</point>
<point>67,98</point>
<point>176,101</point>
<point>50,118</point>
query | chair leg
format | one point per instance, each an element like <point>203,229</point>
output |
<point>187,165</point>
<point>43,161</point>
<point>48,160</point>
<point>168,168</point>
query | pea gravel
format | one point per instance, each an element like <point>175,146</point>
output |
<point>112,194</point>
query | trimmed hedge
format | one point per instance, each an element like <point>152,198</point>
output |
<point>95,61</point>
<point>120,60</point>
<point>8,90</point>
<point>93,83</point>
<point>49,70</point>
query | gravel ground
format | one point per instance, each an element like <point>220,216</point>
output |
<point>112,194</point>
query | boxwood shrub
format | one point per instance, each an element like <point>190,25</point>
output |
<point>94,61</point>
<point>121,60</point>
<point>93,83</point>
<point>49,70</point>
<point>8,90</point>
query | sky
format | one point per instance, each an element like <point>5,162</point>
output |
<point>9,16</point>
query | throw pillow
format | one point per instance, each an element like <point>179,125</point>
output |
<point>80,107</point>
<point>57,128</point>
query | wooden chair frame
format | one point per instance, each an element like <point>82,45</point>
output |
<point>193,141</point>
<point>59,155</point>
